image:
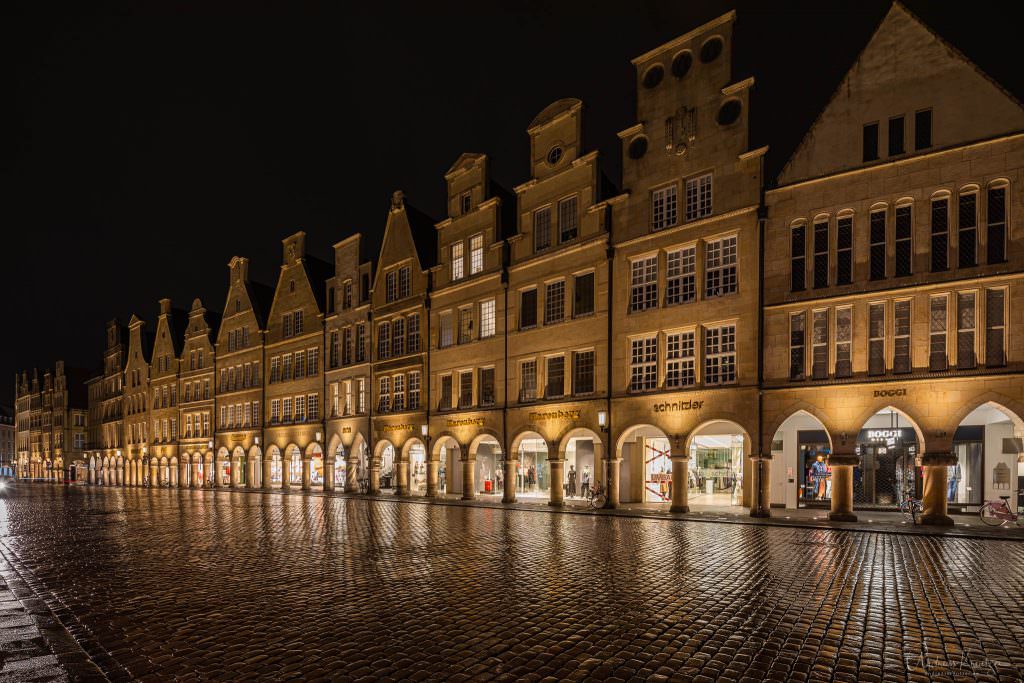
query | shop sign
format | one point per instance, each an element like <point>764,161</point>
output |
<point>888,393</point>
<point>238,437</point>
<point>555,415</point>
<point>465,422</point>
<point>346,430</point>
<point>677,406</point>
<point>883,436</point>
<point>396,428</point>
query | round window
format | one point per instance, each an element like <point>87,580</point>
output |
<point>637,147</point>
<point>554,155</point>
<point>653,76</point>
<point>710,50</point>
<point>682,63</point>
<point>729,112</point>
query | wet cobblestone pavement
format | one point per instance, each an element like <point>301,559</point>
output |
<point>197,585</point>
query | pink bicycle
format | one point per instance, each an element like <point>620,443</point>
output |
<point>998,512</point>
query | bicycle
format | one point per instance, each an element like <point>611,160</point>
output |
<point>998,512</point>
<point>596,497</point>
<point>911,507</point>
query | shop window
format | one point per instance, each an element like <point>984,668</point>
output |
<point>844,250</point>
<point>568,219</point>
<point>904,231</point>
<point>527,309</point>
<point>940,234</point>
<point>967,230</point>
<point>542,228</point>
<point>554,302</point>
<point>923,129</point>
<point>583,295</point>
<point>966,327</point>
<point>878,245</point>
<point>681,276</point>
<point>664,206</point>
<point>720,355</point>
<point>876,339</point>
<point>555,373</point>
<point>844,341</point>
<point>996,234</point>
<point>896,136</point>
<point>821,254</point>
<point>964,479</point>
<point>679,360</point>
<point>819,344</point>
<point>797,341</point>
<point>870,142</point>
<point>798,256</point>
<point>938,326</point>
<point>582,372</point>
<point>901,361</point>
<point>643,364</point>
<point>528,381</point>
<point>720,267</point>
<point>995,327</point>
<point>643,292</point>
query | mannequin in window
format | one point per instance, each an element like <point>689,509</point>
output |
<point>585,486</point>
<point>819,475</point>
<point>955,473</point>
<point>571,486</point>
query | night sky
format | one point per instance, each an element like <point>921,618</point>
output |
<point>148,145</point>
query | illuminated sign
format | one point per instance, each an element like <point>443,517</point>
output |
<point>884,434</point>
<point>677,406</point>
<point>555,415</point>
<point>465,422</point>
<point>346,430</point>
<point>396,428</point>
<point>885,393</point>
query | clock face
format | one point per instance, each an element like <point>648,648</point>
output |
<point>554,155</point>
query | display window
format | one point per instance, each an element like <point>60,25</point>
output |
<point>387,467</point>
<point>316,470</point>
<point>716,469</point>
<point>888,471</point>
<point>489,474</point>
<point>417,469</point>
<point>657,470</point>
<point>812,460</point>
<point>532,472</point>
<point>578,471</point>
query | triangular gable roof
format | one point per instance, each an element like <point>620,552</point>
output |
<point>898,19</point>
<point>408,224</point>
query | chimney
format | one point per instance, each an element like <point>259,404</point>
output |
<point>239,266</point>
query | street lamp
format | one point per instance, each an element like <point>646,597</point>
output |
<point>602,420</point>
<point>423,430</point>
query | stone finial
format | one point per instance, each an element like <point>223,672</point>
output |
<point>397,199</point>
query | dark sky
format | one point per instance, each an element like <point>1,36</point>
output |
<point>150,143</point>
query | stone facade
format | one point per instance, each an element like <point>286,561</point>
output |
<point>704,336</point>
<point>50,425</point>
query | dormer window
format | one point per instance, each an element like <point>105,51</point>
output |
<point>465,202</point>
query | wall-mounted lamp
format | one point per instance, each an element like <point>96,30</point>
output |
<point>318,436</point>
<point>256,440</point>
<point>423,430</point>
<point>602,420</point>
<point>209,444</point>
<point>118,452</point>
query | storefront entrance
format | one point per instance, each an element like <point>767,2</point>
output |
<point>417,469</point>
<point>716,469</point>
<point>532,472</point>
<point>889,470</point>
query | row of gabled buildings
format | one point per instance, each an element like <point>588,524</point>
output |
<point>842,334</point>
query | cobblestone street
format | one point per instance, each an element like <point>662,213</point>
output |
<point>180,584</point>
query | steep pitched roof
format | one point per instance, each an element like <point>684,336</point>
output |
<point>318,272</point>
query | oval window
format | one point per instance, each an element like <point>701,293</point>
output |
<point>653,76</point>
<point>681,63</point>
<point>554,155</point>
<point>710,50</point>
<point>637,147</point>
<point>729,112</point>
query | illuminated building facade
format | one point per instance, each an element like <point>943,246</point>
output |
<point>50,424</point>
<point>838,337</point>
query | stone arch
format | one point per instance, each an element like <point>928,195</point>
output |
<point>583,467</point>
<point>291,464</point>
<point>442,439</point>
<point>644,474</point>
<point>732,487</point>
<point>1013,408</point>
<point>254,466</point>
<point>788,412</point>
<point>575,433</point>
<point>533,473</point>
<point>315,454</point>
<point>277,465</point>
<point>415,454</point>
<point>526,431</point>
<point>333,443</point>
<point>238,473</point>
<point>901,409</point>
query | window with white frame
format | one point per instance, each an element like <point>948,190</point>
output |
<point>300,408</point>
<point>398,395</point>
<point>643,364</point>
<point>679,360</point>
<point>361,395</point>
<point>568,219</point>
<point>720,272</point>
<point>313,406</point>
<point>286,409</point>
<point>457,261</point>
<point>555,371</point>
<point>643,283</point>
<point>680,275</point>
<point>720,354</point>
<point>384,341</point>
<point>554,302</point>
<point>414,390</point>
<point>542,228</point>
<point>698,197</point>
<point>391,286</point>
<point>446,393</point>
<point>487,318</point>
<point>465,389</point>
<point>384,395</point>
<point>335,399</point>
<point>486,384</point>
<point>398,336</point>
<point>528,381</point>
<point>413,333</point>
<point>476,254</point>
<point>404,281</point>
<point>664,207</point>
<point>582,372</point>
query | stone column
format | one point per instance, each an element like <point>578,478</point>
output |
<point>329,473</point>
<point>186,479</point>
<point>266,464</point>
<point>760,485</point>
<point>936,481</point>
<point>92,475</point>
<point>613,482</point>
<point>433,471</point>
<point>680,481</point>
<point>509,494</point>
<point>556,467</point>
<point>468,475</point>
<point>154,473</point>
<point>352,475</point>
<point>172,472</point>
<point>842,465</point>
<point>402,473</point>
<point>306,474</point>
<point>251,463</point>
<point>373,488</point>
<point>120,475</point>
